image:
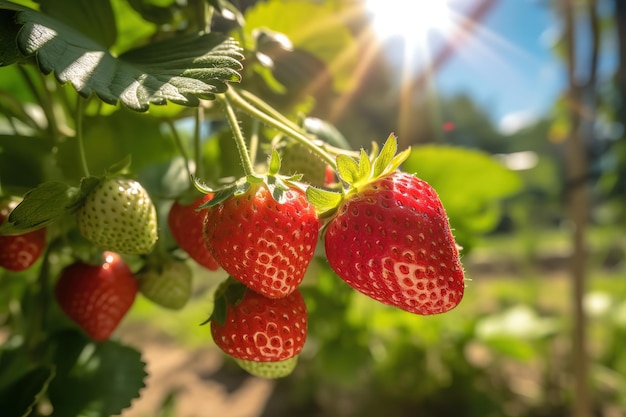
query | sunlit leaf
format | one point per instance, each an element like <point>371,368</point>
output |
<point>323,200</point>
<point>180,69</point>
<point>314,27</point>
<point>348,169</point>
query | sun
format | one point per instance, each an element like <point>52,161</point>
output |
<point>411,20</point>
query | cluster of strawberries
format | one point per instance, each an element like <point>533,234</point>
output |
<point>385,233</point>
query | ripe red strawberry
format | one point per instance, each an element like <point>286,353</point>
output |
<point>186,225</point>
<point>118,215</point>
<point>97,297</point>
<point>263,243</point>
<point>391,240</point>
<point>260,329</point>
<point>19,252</point>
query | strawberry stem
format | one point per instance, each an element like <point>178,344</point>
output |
<point>180,146</point>
<point>79,135</point>
<point>254,139</point>
<point>199,119</point>
<point>266,113</point>
<point>244,156</point>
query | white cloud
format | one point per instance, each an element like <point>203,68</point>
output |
<point>514,122</point>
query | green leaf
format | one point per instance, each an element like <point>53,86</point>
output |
<point>274,163</point>
<point>93,379</point>
<point>94,19</point>
<point>219,312</point>
<point>19,398</point>
<point>277,188</point>
<point>156,13</point>
<point>300,22</point>
<point>179,69</point>
<point>112,138</point>
<point>326,132</point>
<point>348,169</point>
<point>323,200</point>
<point>365,166</point>
<point>22,161</point>
<point>120,168</point>
<point>9,52</point>
<point>41,206</point>
<point>387,153</point>
<point>222,194</point>
<point>235,292</point>
<point>228,11</point>
<point>229,292</point>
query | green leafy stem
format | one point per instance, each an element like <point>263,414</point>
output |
<point>259,109</point>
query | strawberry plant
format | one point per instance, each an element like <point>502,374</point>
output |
<point>148,145</point>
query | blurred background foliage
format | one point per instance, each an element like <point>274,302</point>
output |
<point>506,350</point>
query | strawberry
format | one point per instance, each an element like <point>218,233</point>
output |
<point>264,243</point>
<point>257,328</point>
<point>186,225</point>
<point>269,370</point>
<point>19,252</point>
<point>297,159</point>
<point>166,283</point>
<point>390,237</point>
<point>118,215</point>
<point>97,297</point>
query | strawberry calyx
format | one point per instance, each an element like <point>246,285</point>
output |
<point>356,175</point>
<point>269,370</point>
<point>276,183</point>
<point>229,292</point>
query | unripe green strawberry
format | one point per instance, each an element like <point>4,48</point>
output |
<point>297,159</point>
<point>167,283</point>
<point>269,370</point>
<point>118,215</point>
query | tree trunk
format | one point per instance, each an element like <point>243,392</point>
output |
<point>581,99</point>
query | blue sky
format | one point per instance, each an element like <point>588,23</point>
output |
<point>507,64</point>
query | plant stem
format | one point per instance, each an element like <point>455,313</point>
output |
<point>254,139</point>
<point>180,146</point>
<point>246,162</point>
<point>79,135</point>
<point>44,100</point>
<point>197,143</point>
<point>273,118</point>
